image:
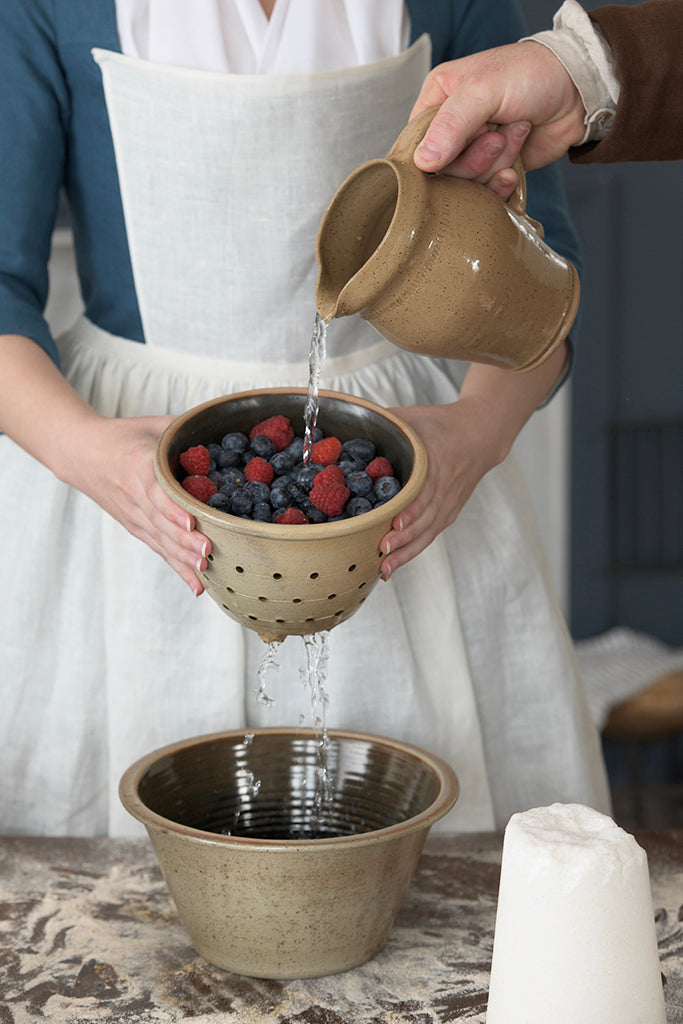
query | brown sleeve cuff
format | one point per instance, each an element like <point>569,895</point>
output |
<point>647,42</point>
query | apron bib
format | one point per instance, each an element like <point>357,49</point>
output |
<point>224,179</point>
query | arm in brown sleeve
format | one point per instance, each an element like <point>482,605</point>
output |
<point>647,42</point>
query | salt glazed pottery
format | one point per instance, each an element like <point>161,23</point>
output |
<point>440,265</point>
<point>270,880</point>
<point>284,580</point>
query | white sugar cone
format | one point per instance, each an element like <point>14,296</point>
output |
<point>575,939</point>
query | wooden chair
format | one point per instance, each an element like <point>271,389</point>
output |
<point>652,716</point>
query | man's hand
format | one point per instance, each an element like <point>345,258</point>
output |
<point>521,88</point>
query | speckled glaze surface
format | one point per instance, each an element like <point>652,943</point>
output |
<point>292,580</point>
<point>440,265</point>
<point>278,907</point>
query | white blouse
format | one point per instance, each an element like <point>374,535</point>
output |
<point>236,36</point>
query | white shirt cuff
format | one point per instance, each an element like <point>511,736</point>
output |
<point>582,49</point>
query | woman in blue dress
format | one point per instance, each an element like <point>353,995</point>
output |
<point>197,152</point>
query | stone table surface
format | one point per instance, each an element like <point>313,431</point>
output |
<point>88,933</point>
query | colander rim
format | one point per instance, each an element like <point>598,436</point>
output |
<point>313,531</point>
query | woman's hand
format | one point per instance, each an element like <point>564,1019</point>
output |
<point>464,440</point>
<point>461,449</point>
<point>118,474</point>
<point>110,460</point>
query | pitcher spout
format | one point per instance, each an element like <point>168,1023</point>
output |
<point>355,263</point>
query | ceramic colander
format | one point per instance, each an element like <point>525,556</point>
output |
<point>280,580</point>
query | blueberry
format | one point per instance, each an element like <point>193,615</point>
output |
<point>296,449</point>
<point>313,514</point>
<point>386,488</point>
<point>360,448</point>
<point>259,491</point>
<point>359,483</point>
<point>214,450</point>
<point>348,465</point>
<point>279,496</point>
<point>296,492</point>
<point>241,502</point>
<point>262,512</point>
<point>228,458</point>
<point>282,462</point>
<point>317,435</point>
<point>220,501</point>
<point>279,511</point>
<point>232,478</point>
<point>357,506</point>
<point>215,477</point>
<point>263,446</point>
<point>235,442</point>
<point>305,475</point>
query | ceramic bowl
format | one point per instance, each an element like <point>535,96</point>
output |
<point>280,580</point>
<point>270,878</point>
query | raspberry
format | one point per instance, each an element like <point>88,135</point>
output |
<point>277,428</point>
<point>258,469</point>
<point>328,495</point>
<point>200,487</point>
<point>292,517</point>
<point>326,452</point>
<point>379,467</point>
<point>330,474</point>
<point>196,461</point>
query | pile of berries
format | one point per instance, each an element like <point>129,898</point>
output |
<point>262,475</point>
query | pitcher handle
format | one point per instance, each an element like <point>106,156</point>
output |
<point>403,151</point>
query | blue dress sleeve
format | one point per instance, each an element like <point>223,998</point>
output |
<point>34,109</point>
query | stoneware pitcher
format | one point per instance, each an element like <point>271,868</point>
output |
<point>440,265</point>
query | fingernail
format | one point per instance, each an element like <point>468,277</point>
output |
<point>399,523</point>
<point>205,549</point>
<point>429,152</point>
<point>184,523</point>
<point>521,130</point>
<point>386,548</point>
<point>199,564</point>
<point>494,148</point>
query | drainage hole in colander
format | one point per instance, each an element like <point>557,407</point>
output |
<point>296,600</point>
<point>280,621</point>
<point>253,618</point>
<point>263,599</point>
<point>340,612</point>
<point>238,568</point>
<point>361,585</point>
<point>210,557</point>
<point>331,597</point>
<point>314,576</point>
<point>309,620</point>
<point>351,568</point>
<point>230,590</point>
<point>277,575</point>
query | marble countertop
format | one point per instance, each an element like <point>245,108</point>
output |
<point>88,933</point>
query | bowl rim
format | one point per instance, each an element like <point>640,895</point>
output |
<point>314,531</point>
<point>444,801</point>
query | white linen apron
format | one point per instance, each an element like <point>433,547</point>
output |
<point>464,651</point>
